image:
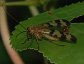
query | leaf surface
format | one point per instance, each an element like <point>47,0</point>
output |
<point>69,54</point>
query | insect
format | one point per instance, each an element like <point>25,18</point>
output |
<point>38,32</point>
<point>51,31</point>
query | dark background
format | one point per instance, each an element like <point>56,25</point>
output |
<point>21,13</point>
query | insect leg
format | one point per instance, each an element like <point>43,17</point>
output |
<point>29,43</point>
<point>28,38</point>
<point>37,43</point>
<point>32,37</point>
<point>20,33</point>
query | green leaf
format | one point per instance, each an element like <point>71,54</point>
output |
<point>42,18</point>
<point>70,12</point>
<point>71,53</point>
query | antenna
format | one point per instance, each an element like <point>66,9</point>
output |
<point>14,18</point>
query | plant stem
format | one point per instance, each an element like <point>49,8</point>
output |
<point>19,3</point>
<point>34,11</point>
<point>5,37</point>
